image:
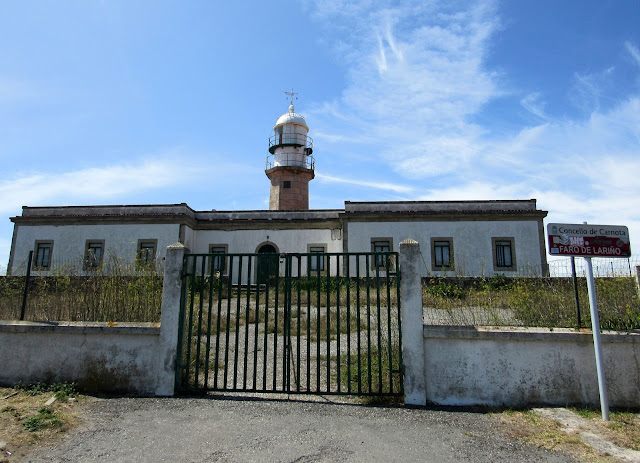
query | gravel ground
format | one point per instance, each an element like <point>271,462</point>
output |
<point>305,429</point>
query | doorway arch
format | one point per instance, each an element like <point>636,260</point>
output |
<point>268,265</point>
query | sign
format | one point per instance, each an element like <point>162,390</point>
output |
<point>588,240</point>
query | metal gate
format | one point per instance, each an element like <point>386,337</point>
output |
<point>314,323</point>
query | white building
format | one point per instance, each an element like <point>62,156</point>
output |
<point>470,238</point>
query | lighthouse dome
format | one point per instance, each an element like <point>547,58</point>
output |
<point>291,118</point>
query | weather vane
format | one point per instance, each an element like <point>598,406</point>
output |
<point>291,95</point>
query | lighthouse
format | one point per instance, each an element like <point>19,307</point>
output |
<point>290,165</point>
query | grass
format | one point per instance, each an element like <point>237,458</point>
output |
<point>25,422</point>
<point>61,391</point>
<point>129,293</point>
<point>623,426</point>
<point>533,429</point>
<point>116,291</point>
<point>623,429</point>
<point>45,418</point>
<point>381,366</point>
<point>542,302</point>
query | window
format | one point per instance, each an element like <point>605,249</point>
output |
<point>43,254</point>
<point>94,253</point>
<point>442,253</point>
<point>504,254</point>
<point>317,263</point>
<point>381,245</point>
<point>218,260</point>
<point>287,184</point>
<point>147,252</point>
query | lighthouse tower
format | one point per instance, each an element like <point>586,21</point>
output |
<point>290,164</point>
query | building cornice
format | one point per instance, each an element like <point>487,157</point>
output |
<point>182,214</point>
<point>451,216</point>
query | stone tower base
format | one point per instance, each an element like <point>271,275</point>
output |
<point>289,188</point>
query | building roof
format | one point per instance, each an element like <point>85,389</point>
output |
<point>382,210</point>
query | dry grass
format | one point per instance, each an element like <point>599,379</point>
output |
<point>545,433</point>
<point>623,430</point>
<point>623,427</point>
<point>23,411</point>
<point>117,291</point>
<point>543,302</point>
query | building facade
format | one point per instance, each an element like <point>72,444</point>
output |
<point>466,238</point>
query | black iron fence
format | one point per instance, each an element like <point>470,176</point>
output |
<point>295,323</point>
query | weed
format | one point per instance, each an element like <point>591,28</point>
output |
<point>45,418</point>
<point>61,390</point>
<point>497,282</point>
<point>446,290</point>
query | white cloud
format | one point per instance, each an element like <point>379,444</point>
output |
<point>112,181</point>
<point>532,103</point>
<point>417,79</point>
<point>375,185</point>
<point>633,51</point>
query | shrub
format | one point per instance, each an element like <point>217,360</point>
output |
<point>446,290</point>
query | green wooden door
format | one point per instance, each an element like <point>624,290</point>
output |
<point>267,263</point>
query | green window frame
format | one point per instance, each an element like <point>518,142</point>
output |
<point>218,260</point>
<point>504,253</point>
<point>93,254</point>
<point>43,255</point>
<point>317,263</point>
<point>381,245</point>
<point>442,253</point>
<point>147,249</point>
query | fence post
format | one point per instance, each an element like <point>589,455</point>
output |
<point>637,268</point>
<point>415,392</point>
<point>168,344</point>
<point>26,286</point>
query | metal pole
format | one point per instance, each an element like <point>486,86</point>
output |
<point>26,286</point>
<point>575,290</point>
<point>595,326</point>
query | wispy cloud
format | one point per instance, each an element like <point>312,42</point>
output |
<point>105,183</point>
<point>416,80</point>
<point>532,103</point>
<point>633,51</point>
<point>375,185</point>
<point>416,76</point>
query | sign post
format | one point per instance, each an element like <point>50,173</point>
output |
<point>597,345</point>
<point>589,241</point>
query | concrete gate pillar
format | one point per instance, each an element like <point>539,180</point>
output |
<point>169,320</point>
<point>415,392</point>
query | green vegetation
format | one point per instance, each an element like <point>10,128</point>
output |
<point>115,291</point>
<point>25,422</point>
<point>374,373</point>
<point>61,390</point>
<point>45,418</point>
<point>122,292</point>
<point>543,302</point>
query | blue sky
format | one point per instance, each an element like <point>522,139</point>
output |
<point>119,102</point>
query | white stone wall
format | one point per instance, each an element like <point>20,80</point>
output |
<point>95,356</point>
<point>69,242</point>
<point>525,367</point>
<point>473,255</point>
<point>189,238</point>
